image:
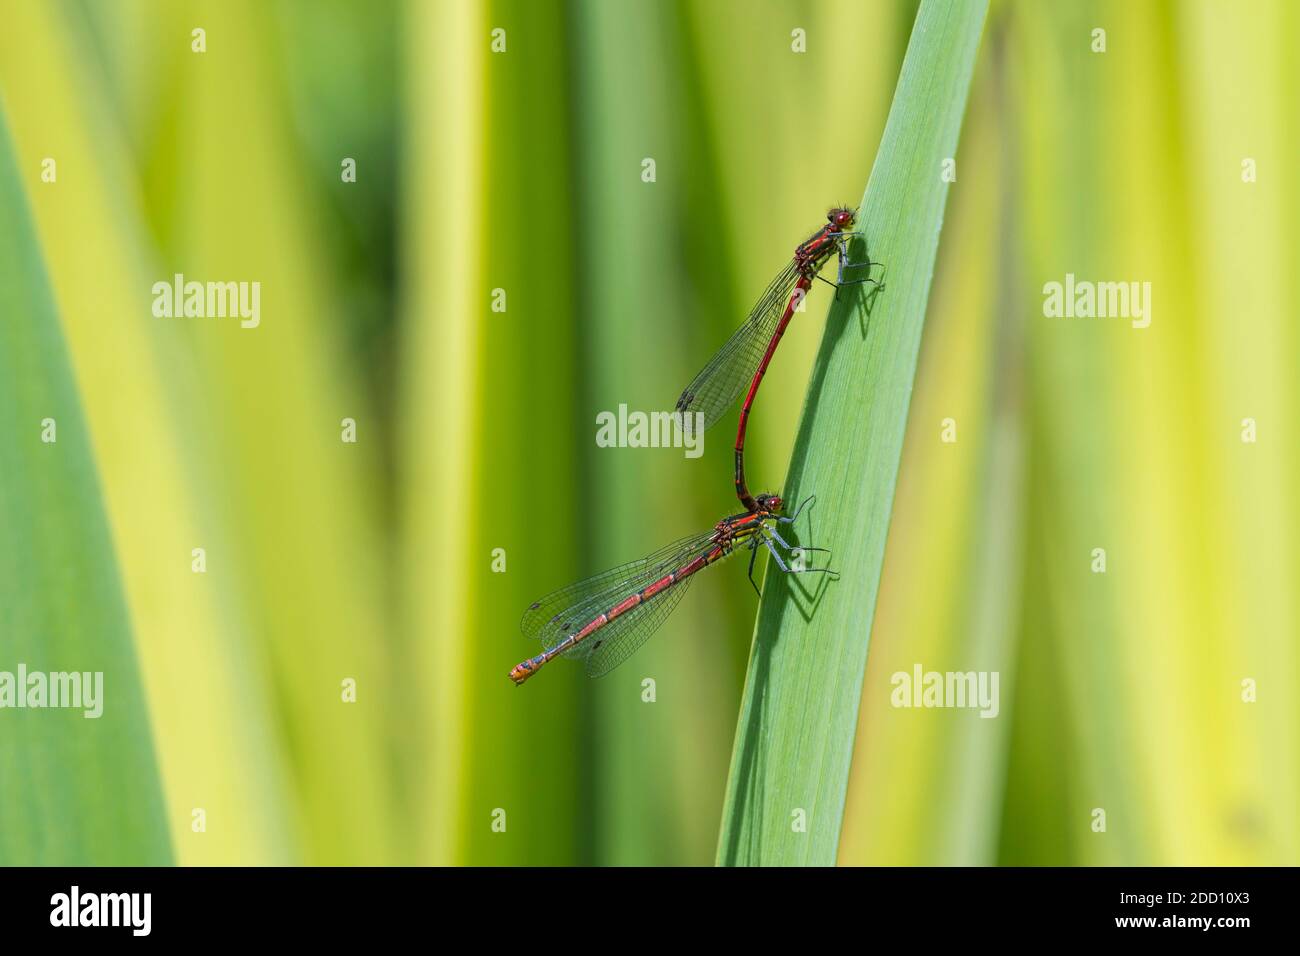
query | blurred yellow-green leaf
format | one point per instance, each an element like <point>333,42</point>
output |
<point>78,780</point>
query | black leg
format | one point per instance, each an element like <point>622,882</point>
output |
<point>797,511</point>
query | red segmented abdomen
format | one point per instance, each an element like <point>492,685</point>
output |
<point>633,600</point>
<point>742,489</point>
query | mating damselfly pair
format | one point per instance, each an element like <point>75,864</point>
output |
<point>605,618</point>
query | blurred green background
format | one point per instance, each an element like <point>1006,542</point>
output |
<point>521,171</point>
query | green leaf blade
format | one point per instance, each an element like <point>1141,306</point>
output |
<point>794,742</point>
<point>75,790</point>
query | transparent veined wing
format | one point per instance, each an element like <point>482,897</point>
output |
<point>561,613</point>
<point>718,385</point>
<point>617,641</point>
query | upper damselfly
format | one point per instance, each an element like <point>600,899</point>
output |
<point>743,360</point>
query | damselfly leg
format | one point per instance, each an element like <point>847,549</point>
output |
<point>769,538</point>
<point>843,266</point>
<point>790,519</point>
<point>793,547</point>
<point>776,556</point>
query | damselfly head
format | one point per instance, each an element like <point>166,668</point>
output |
<point>770,503</point>
<point>841,218</point>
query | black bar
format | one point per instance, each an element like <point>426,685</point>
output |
<point>335,906</point>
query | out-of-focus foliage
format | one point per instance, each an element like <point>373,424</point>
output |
<point>378,564</point>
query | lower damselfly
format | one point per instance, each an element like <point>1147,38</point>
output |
<point>601,621</point>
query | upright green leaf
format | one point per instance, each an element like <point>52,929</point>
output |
<point>75,788</point>
<point>790,765</point>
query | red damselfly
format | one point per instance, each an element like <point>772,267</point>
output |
<point>604,619</point>
<point>745,356</point>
